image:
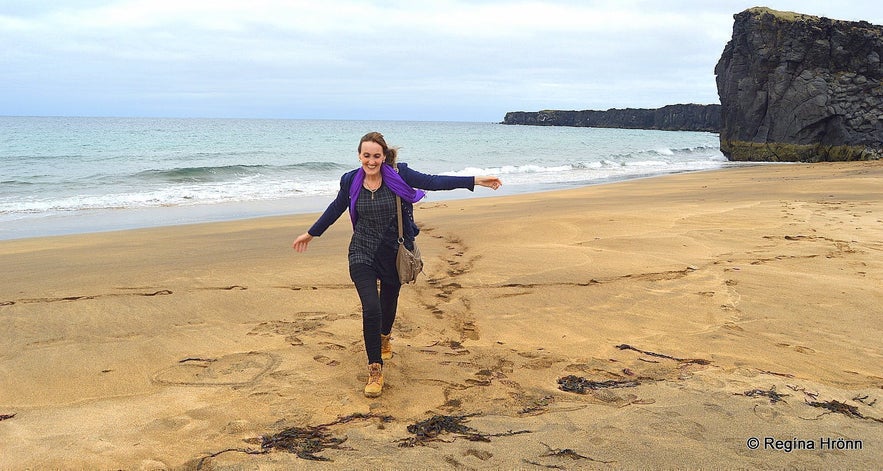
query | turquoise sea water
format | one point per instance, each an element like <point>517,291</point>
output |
<point>66,175</point>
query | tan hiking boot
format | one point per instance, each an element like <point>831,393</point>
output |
<point>385,347</point>
<point>375,380</point>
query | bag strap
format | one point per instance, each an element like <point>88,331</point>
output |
<point>399,209</point>
<point>399,215</point>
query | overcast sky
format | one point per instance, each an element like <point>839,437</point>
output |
<point>447,60</point>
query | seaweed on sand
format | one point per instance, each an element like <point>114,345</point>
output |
<point>305,442</point>
<point>864,398</point>
<point>562,453</point>
<point>698,361</point>
<point>430,429</point>
<point>772,394</point>
<point>838,407</point>
<point>578,384</point>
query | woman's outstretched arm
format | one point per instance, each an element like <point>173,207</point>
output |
<point>490,182</point>
<point>444,182</point>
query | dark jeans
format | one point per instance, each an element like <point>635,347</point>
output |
<point>378,306</point>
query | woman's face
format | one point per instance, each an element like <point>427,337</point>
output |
<point>371,156</point>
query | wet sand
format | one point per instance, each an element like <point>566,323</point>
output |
<point>708,308</point>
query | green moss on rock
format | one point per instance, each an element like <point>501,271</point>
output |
<point>742,151</point>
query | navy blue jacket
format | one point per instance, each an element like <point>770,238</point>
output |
<point>412,177</point>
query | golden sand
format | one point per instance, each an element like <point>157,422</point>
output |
<point>749,298</point>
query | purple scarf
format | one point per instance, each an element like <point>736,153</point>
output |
<point>392,179</point>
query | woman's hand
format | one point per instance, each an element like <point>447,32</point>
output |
<point>300,244</point>
<point>490,182</point>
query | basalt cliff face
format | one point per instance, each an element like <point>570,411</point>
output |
<point>801,88</point>
<point>688,117</point>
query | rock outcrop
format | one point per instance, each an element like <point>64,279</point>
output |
<point>796,87</point>
<point>689,117</point>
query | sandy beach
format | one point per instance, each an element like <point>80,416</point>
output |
<point>699,311</point>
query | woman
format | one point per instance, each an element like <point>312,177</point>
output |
<point>369,193</point>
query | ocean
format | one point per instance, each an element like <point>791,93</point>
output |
<point>61,175</point>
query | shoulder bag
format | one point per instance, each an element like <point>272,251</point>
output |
<point>408,263</point>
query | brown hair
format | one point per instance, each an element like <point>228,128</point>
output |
<point>389,152</point>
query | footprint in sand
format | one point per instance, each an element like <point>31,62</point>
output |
<point>325,360</point>
<point>236,369</point>
<point>732,326</point>
<point>797,348</point>
<point>332,346</point>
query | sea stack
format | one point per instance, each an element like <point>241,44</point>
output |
<point>796,87</point>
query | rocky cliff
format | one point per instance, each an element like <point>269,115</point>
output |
<point>801,88</point>
<point>672,118</point>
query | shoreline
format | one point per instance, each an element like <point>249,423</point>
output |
<point>114,220</point>
<point>723,306</point>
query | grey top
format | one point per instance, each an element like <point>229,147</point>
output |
<point>376,226</point>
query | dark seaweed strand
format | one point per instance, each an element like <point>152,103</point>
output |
<point>578,384</point>
<point>201,461</point>
<point>864,398</point>
<point>541,465</point>
<point>842,408</point>
<point>305,442</point>
<point>772,394</point>
<point>569,453</point>
<point>430,429</point>
<point>698,361</point>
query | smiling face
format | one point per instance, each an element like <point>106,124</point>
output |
<point>371,156</point>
